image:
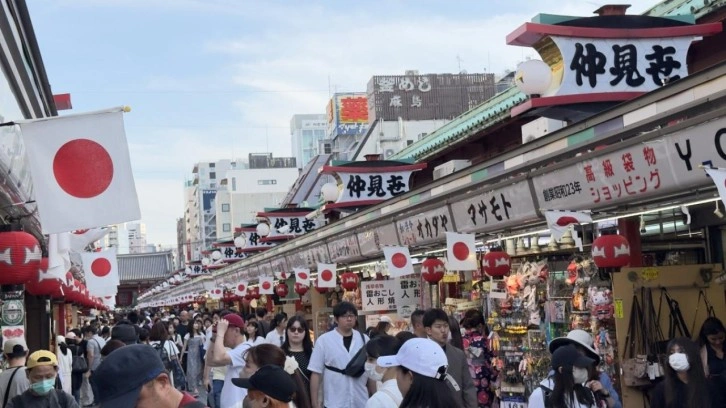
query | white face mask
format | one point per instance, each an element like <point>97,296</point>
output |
<point>679,362</point>
<point>373,374</point>
<point>580,375</point>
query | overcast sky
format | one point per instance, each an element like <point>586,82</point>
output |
<point>216,79</point>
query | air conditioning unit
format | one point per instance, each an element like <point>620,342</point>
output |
<point>540,127</point>
<point>450,167</point>
<point>388,153</point>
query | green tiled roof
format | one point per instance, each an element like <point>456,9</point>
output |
<point>497,108</point>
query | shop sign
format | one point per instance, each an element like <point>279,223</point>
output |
<point>378,186</point>
<point>372,241</point>
<point>264,269</point>
<point>595,65</point>
<point>377,296</point>
<point>278,264</point>
<point>408,296</point>
<point>495,209</point>
<point>618,308</point>
<point>296,259</point>
<point>13,314</point>
<point>316,254</point>
<point>344,249</point>
<point>425,228</point>
<point>662,166</point>
<point>253,241</point>
<point>284,226</point>
<point>451,277</point>
<point>230,253</point>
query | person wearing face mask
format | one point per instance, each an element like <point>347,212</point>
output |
<point>711,339</point>
<point>41,369</point>
<point>565,388</point>
<point>684,384</point>
<point>388,394</point>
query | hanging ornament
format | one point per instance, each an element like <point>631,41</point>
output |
<point>45,287</point>
<point>20,256</point>
<point>432,270</point>
<point>282,290</point>
<point>301,289</point>
<point>611,251</point>
<point>349,280</point>
<point>496,263</point>
<point>254,292</point>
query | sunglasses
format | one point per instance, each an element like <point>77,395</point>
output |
<point>297,329</point>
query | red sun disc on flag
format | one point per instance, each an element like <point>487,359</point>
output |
<point>461,251</point>
<point>399,260</point>
<point>565,221</point>
<point>266,285</point>
<point>80,231</point>
<point>101,267</point>
<point>302,275</point>
<point>241,287</point>
<point>326,275</point>
<point>83,168</point>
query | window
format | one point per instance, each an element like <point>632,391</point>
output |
<point>212,185</point>
<point>212,175</point>
<point>225,207</point>
<point>266,182</point>
<point>226,227</point>
<point>212,165</point>
<point>234,183</point>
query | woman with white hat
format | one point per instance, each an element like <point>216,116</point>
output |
<point>65,364</point>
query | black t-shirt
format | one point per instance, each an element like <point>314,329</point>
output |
<point>347,341</point>
<point>658,398</point>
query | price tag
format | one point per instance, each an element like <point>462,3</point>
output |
<point>618,304</point>
<point>649,274</point>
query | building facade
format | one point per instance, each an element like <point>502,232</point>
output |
<point>307,132</point>
<point>137,238</point>
<point>347,117</point>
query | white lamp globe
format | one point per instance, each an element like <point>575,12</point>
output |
<point>533,77</point>
<point>240,241</point>
<point>263,229</point>
<point>188,270</point>
<point>329,192</point>
<point>216,255</point>
<point>206,261</point>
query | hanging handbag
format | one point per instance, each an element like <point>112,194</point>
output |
<point>635,365</point>
<point>79,365</point>
<point>654,335</point>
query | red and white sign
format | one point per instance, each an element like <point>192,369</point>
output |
<point>302,276</point>
<point>326,275</point>
<point>398,259</point>
<point>216,293</point>
<point>560,221</point>
<point>460,252</point>
<point>101,272</point>
<point>241,288</point>
<point>281,275</point>
<point>267,285</point>
<point>80,239</point>
<point>81,171</point>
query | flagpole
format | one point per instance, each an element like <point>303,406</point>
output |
<point>124,109</point>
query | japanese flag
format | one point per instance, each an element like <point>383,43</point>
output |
<point>326,275</point>
<point>267,286</point>
<point>241,288</point>
<point>281,275</point>
<point>101,272</point>
<point>80,239</point>
<point>719,178</point>
<point>560,221</point>
<point>81,170</point>
<point>302,276</point>
<point>59,261</point>
<point>460,252</point>
<point>216,293</point>
<point>109,301</point>
<point>398,259</point>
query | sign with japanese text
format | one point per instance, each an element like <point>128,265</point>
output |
<point>230,253</point>
<point>296,259</point>
<point>373,186</point>
<point>348,114</point>
<point>372,241</point>
<point>253,241</point>
<point>344,249</point>
<point>595,65</point>
<point>664,165</point>
<point>264,269</point>
<point>408,296</point>
<point>286,225</point>
<point>495,209</point>
<point>377,296</point>
<point>425,228</point>
<point>279,264</point>
<point>314,255</point>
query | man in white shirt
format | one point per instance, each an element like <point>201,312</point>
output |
<point>335,349</point>
<point>14,381</point>
<point>230,333</point>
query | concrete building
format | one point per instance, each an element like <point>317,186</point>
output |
<point>307,133</point>
<point>117,237</point>
<point>347,116</point>
<point>137,238</point>
<point>248,191</point>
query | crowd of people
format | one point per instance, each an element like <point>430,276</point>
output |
<point>162,360</point>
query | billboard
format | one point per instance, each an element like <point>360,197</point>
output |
<point>348,114</point>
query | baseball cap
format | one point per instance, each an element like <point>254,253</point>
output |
<point>568,356</point>
<point>385,319</point>
<point>235,320</point>
<point>271,380</point>
<point>122,373</point>
<point>125,333</point>
<point>15,347</point>
<point>41,358</point>
<point>578,338</point>
<point>411,355</point>
<point>72,336</point>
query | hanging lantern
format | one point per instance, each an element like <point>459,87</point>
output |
<point>301,289</point>
<point>611,251</point>
<point>319,289</point>
<point>21,253</point>
<point>349,280</point>
<point>282,290</point>
<point>254,292</point>
<point>45,287</point>
<point>496,263</point>
<point>432,270</point>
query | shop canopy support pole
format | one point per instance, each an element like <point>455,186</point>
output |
<point>630,229</point>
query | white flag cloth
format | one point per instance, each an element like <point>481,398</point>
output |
<point>460,252</point>
<point>719,178</point>
<point>81,171</point>
<point>559,221</point>
<point>398,259</point>
<point>80,239</point>
<point>109,301</point>
<point>302,276</point>
<point>216,293</point>
<point>241,288</point>
<point>281,275</point>
<point>326,275</point>
<point>267,286</point>
<point>101,272</point>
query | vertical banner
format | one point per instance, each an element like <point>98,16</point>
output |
<point>408,296</point>
<point>13,314</point>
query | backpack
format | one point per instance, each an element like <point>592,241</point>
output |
<point>356,366</point>
<point>173,367</point>
<point>164,355</point>
<point>546,393</point>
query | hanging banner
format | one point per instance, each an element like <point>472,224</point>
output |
<point>372,241</point>
<point>378,296</point>
<point>495,209</point>
<point>425,228</point>
<point>408,296</point>
<point>13,314</point>
<point>344,249</point>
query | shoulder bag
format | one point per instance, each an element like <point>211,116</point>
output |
<point>356,365</point>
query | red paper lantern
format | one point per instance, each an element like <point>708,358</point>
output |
<point>21,257</point>
<point>301,289</point>
<point>432,270</point>
<point>282,290</point>
<point>45,287</point>
<point>349,281</point>
<point>496,263</point>
<point>319,289</point>
<point>611,251</point>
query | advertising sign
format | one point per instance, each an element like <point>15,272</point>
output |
<point>344,249</point>
<point>378,295</point>
<point>372,241</point>
<point>426,227</point>
<point>13,314</point>
<point>495,209</point>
